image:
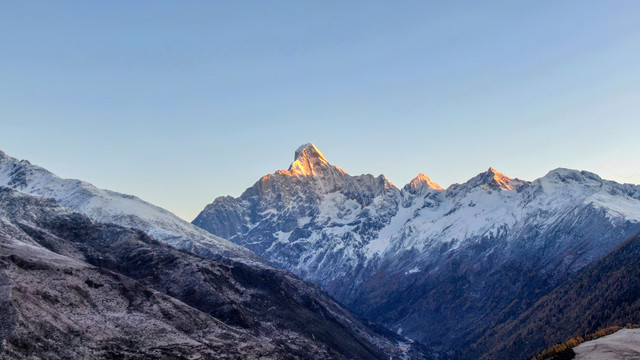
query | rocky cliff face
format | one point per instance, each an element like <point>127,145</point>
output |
<point>458,260</point>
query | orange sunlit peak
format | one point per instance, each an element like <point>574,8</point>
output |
<point>388,183</point>
<point>501,179</point>
<point>308,150</point>
<point>424,179</point>
<point>308,161</point>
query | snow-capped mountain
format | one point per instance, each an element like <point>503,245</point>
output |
<point>84,273</point>
<point>296,216</point>
<point>112,207</point>
<point>490,245</point>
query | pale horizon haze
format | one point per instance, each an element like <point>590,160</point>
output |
<point>181,102</point>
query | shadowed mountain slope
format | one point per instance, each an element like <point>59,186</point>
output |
<point>604,294</point>
<point>72,287</point>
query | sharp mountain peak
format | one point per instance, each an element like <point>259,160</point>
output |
<point>493,179</point>
<point>309,161</point>
<point>423,180</point>
<point>308,150</point>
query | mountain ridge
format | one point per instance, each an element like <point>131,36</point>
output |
<point>207,288</point>
<point>121,209</point>
<point>378,248</point>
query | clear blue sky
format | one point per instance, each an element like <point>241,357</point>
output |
<point>180,102</point>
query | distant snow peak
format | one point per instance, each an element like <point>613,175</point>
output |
<point>500,180</point>
<point>492,179</point>
<point>421,181</point>
<point>562,175</point>
<point>308,161</point>
<point>387,183</point>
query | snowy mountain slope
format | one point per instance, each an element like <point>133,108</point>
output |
<point>297,216</point>
<point>394,254</point>
<point>112,207</point>
<point>310,221</point>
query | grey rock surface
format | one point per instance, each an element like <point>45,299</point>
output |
<point>621,345</point>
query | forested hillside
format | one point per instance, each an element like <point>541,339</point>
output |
<point>604,294</point>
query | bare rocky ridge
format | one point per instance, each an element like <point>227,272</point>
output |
<point>440,266</point>
<point>623,344</point>
<point>112,207</point>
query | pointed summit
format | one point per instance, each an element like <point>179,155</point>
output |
<point>421,181</point>
<point>493,179</point>
<point>309,161</point>
<point>309,151</point>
